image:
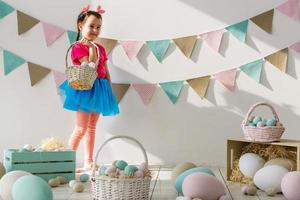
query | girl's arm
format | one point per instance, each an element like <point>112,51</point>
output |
<point>107,72</point>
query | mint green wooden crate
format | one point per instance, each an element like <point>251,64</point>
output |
<point>46,165</point>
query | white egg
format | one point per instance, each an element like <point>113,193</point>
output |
<point>250,163</point>
<point>284,162</point>
<point>270,177</point>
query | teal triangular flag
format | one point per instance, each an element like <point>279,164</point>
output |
<point>159,48</point>
<point>172,89</point>
<point>253,69</point>
<point>239,30</point>
<point>11,61</point>
<point>72,35</point>
<point>5,9</point>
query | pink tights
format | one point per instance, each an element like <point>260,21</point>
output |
<point>85,125</point>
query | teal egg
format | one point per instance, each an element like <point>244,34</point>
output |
<point>256,120</point>
<point>271,122</point>
<point>31,187</point>
<point>102,170</point>
<point>84,178</point>
<point>121,164</point>
<point>179,180</point>
<point>130,169</point>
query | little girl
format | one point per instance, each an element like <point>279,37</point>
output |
<point>99,100</point>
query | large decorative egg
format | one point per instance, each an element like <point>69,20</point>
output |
<point>269,178</point>
<point>181,168</point>
<point>179,180</point>
<point>271,122</point>
<point>284,162</point>
<point>250,163</point>
<point>7,181</point>
<point>31,187</point>
<point>203,186</point>
<point>130,170</point>
<point>256,120</point>
<point>121,164</point>
<point>290,185</point>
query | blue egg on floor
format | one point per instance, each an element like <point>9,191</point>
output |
<point>84,178</point>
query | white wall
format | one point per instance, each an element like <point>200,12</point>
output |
<point>192,129</point>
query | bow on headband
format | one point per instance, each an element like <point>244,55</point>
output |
<point>98,9</point>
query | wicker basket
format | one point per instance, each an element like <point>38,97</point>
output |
<point>262,134</point>
<point>81,78</point>
<point>106,188</point>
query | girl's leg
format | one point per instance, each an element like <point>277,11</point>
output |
<point>82,119</point>
<point>90,139</point>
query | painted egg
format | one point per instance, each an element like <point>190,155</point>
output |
<point>139,174</point>
<point>256,119</point>
<point>84,177</point>
<point>260,124</point>
<point>181,168</point>
<point>143,166</point>
<point>130,170</point>
<point>250,163</point>
<point>284,162</point>
<point>270,177</point>
<point>290,185</point>
<point>271,122</point>
<point>179,180</point>
<point>110,169</point>
<point>102,170</point>
<point>121,164</point>
<point>204,186</point>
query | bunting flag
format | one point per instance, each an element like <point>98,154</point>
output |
<point>239,30</point>
<point>59,78</point>
<point>36,72</point>
<point>200,85</point>
<point>108,44</point>
<point>131,48</point>
<point>11,61</point>
<point>145,91</point>
<point>290,8</point>
<point>72,36</point>
<point>159,48</point>
<point>227,78</point>
<point>264,20</point>
<point>186,44</point>
<point>120,90</point>
<point>253,69</point>
<point>279,59</point>
<point>5,9</point>
<point>25,22</point>
<point>172,89</point>
<point>296,47</point>
<point>51,32</point>
<point>213,39</point>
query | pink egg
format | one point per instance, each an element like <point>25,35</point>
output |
<point>143,166</point>
<point>290,185</point>
<point>110,169</point>
<point>139,174</point>
<point>201,185</point>
<point>260,124</point>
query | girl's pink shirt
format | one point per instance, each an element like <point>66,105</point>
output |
<point>80,50</point>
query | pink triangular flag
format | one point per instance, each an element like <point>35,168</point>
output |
<point>131,48</point>
<point>296,46</point>
<point>51,32</point>
<point>290,8</point>
<point>213,39</point>
<point>59,78</point>
<point>227,78</point>
<point>145,91</point>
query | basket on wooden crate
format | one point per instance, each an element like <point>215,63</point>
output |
<point>106,188</point>
<point>46,165</point>
<point>265,133</point>
<point>81,77</point>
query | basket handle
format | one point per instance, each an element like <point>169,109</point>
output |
<point>261,104</point>
<point>119,137</point>
<point>98,53</point>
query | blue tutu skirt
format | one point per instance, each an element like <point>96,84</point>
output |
<point>99,99</point>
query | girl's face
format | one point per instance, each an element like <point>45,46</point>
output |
<point>90,29</point>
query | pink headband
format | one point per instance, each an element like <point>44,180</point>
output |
<point>99,10</point>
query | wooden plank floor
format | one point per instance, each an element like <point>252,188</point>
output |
<point>162,188</point>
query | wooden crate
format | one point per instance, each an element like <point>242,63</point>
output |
<point>46,165</point>
<point>235,146</point>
